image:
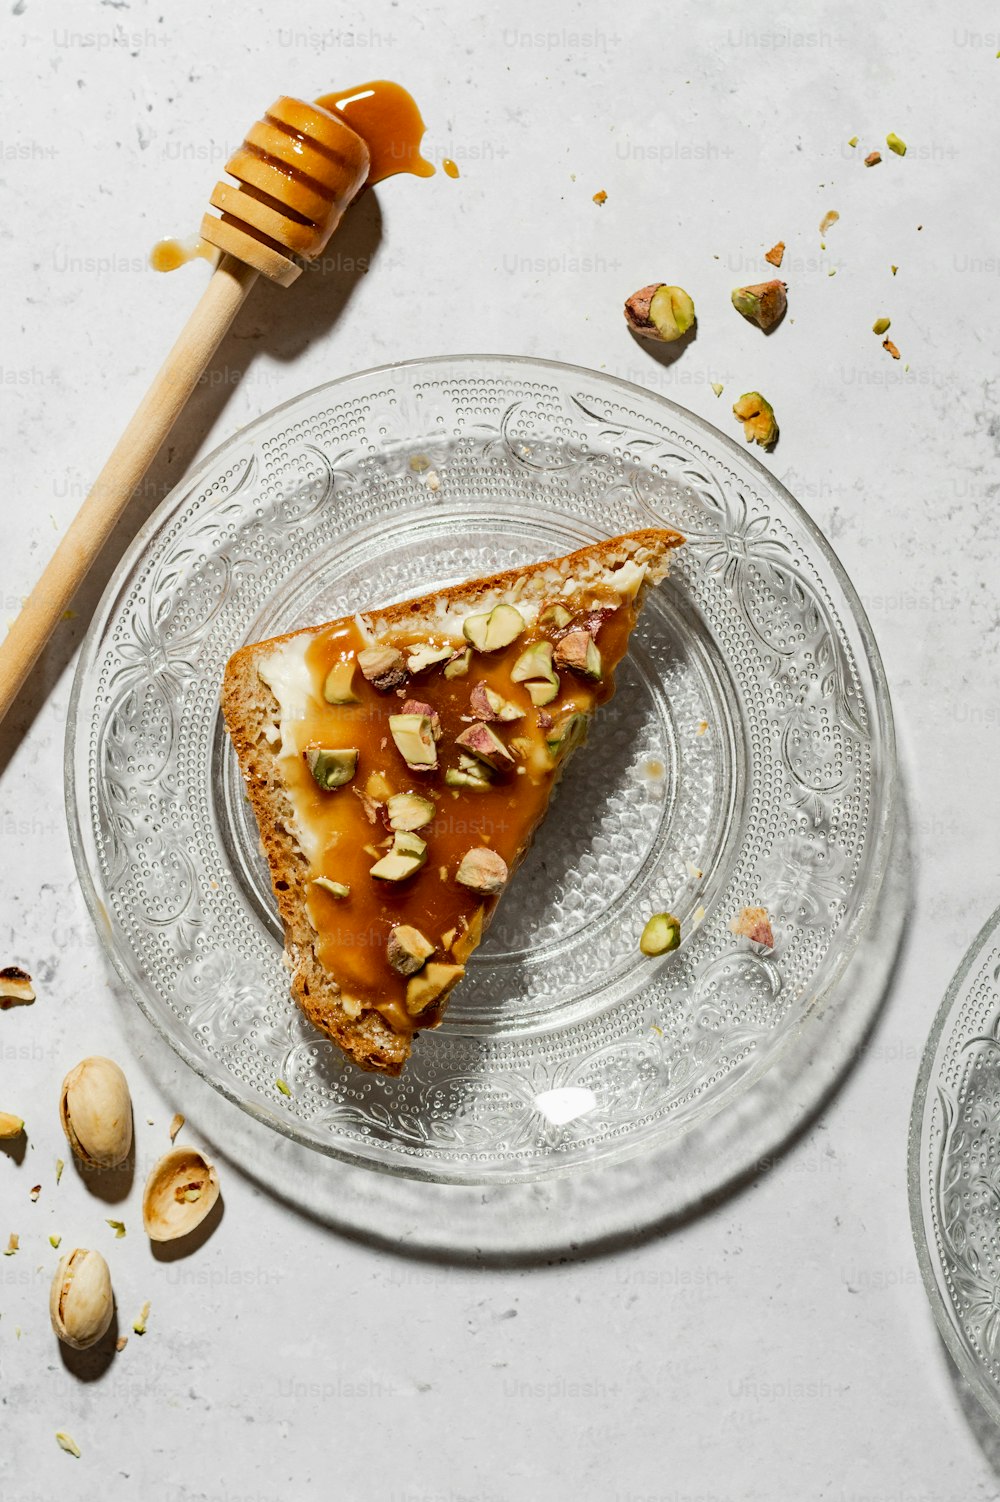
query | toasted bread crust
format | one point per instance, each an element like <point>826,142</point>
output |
<point>250,709</point>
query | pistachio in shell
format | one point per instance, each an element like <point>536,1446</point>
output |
<point>81,1302</point>
<point>180,1191</point>
<point>95,1109</point>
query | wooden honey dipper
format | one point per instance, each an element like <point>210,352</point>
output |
<point>296,173</point>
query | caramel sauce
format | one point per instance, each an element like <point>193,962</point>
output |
<point>450,168</point>
<point>386,117</point>
<point>352,932</point>
<point>167,255</point>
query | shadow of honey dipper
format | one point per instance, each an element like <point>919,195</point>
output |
<point>296,173</point>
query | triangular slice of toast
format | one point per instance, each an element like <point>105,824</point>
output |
<point>399,762</point>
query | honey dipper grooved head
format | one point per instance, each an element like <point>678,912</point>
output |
<point>296,172</point>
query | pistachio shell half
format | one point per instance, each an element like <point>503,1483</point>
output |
<point>81,1302</point>
<point>96,1112</point>
<point>180,1191</point>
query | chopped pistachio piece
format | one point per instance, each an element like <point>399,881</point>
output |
<point>13,1244</point>
<point>482,870</point>
<point>880,326</point>
<point>332,767</point>
<point>338,889</point>
<point>409,811</point>
<point>895,144</point>
<point>469,773</point>
<point>554,617</point>
<point>487,704</point>
<point>139,1323</point>
<point>534,662</point>
<point>422,658</point>
<point>459,664</point>
<point>414,738</point>
<point>54,1241</point>
<point>579,652</point>
<point>68,1443</point>
<point>873,158</point>
<point>118,1226</point>
<point>485,745</point>
<point>495,629</point>
<point>763,304</point>
<point>432,984</point>
<point>15,987</point>
<point>175,1125</point>
<point>408,854</point>
<point>661,934</point>
<point>717,387</point>
<point>338,686</point>
<point>853,141</point>
<point>383,667</point>
<point>660,312</point>
<point>543,691</point>
<point>757,416</point>
<point>407,949</point>
<point>282,1086</point>
<point>567,736</point>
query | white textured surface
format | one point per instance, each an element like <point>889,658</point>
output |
<point>779,1346</point>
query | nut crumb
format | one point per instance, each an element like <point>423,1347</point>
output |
<point>13,1244</point>
<point>600,197</point>
<point>827,220</point>
<point>139,1323</point>
<point>118,1226</point>
<point>175,1126</point>
<point>121,1342</point>
<point>68,1443</point>
<point>36,1190</point>
<point>873,158</point>
<point>702,726</point>
<point>60,1165</point>
<point>15,987</point>
<point>753,923</point>
<point>776,254</point>
<point>888,345</point>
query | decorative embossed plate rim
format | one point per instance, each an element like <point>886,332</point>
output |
<point>837,709</point>
<point>960,1028</point>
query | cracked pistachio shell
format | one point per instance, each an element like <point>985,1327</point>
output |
<point>180,1191</point>
<point>96,1112</point>
<point>81,1302</point>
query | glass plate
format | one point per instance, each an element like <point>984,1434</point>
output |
<point>954,1167</point>
<point>748,758</point>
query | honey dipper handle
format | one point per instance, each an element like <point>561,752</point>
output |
<point>129,461</point>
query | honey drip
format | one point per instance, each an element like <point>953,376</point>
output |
<point>386,117</point>
<point>167,255</point>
